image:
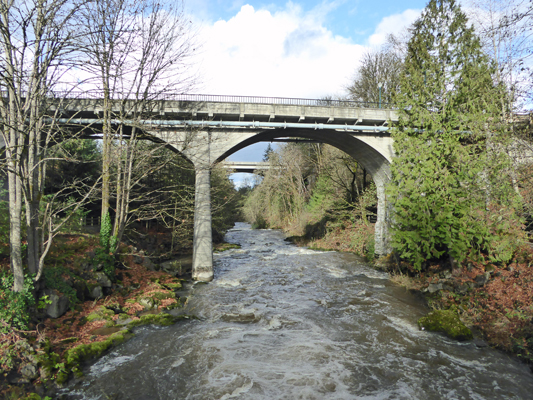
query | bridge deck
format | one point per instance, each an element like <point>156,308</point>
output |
<point>228,108</point>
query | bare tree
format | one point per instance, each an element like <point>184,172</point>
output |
<point>505,28</point>
<point>139,50</point>
<point>377,78</point>
<point>36,38</point>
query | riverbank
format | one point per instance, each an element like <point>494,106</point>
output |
<point>35,362</point>
<point>493,300</point>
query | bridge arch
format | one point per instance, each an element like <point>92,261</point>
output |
<point>211,144</point>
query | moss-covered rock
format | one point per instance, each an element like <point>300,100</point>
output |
<point>123,316</point>
<point>447,322</point>
<point>84,352</point>
<point>102,313</point>
<point>163,295</point>
<point>148,303</point>
<point>220,247</point>
<point>173,286</point>
<point>162,319</point>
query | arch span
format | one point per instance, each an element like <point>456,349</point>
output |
<point>374,161</point>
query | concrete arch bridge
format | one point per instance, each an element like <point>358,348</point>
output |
<point>207,129</point>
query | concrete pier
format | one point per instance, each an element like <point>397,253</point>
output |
<point>202,261</point>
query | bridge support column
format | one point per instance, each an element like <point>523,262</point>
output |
<point>382,245</point>
<point>202,261</point>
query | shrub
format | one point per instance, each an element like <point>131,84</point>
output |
<point>15,306</point>
<point>105,258</point>
<point>260,223</point>
<point>54,279</point>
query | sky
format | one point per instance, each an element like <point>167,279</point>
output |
<point>301,48</point>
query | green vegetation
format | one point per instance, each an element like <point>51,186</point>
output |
<point>75,356</point>
<point>54,278</point>
<point>15,307</point>
<point>323,198</point>
<point>225,246</point>
<point>451,189</point>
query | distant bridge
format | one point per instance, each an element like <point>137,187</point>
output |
<point>245,166</point>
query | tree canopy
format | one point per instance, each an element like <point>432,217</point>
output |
<point>448,145</point>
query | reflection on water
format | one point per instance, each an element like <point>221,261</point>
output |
<point>282,322</point>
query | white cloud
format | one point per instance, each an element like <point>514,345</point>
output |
<point>285,54</point>
<point>392,24</point>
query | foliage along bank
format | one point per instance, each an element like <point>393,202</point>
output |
<point>315,193</point>
<point>458,207</point>
<point>94,291</point>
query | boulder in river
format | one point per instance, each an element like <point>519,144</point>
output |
<point>447,322</point>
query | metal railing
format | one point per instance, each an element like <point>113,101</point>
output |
<point>214,98</point>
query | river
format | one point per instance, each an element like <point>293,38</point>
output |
<point>283,322</point>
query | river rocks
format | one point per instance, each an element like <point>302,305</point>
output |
<point>29,371</point>
<point>480,344</point>
<point>148,264</point>
<point>490,268</point>
<point>103,280</point>
<point>139,257</point>
<point>434,287</point>
<point>148,303</point>
<point>246,316</point>
<point>482,279</point>
<point>447,322</point>
<point>463,288</point>
<point>96,292</point>
<point>442,284</point>
<point>59,304</point>
<point>447,274</point>
<point>173,268</point>
<point>86,266</point>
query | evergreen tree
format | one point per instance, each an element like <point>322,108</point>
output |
<point>447,142</point>
<point>268,151</point>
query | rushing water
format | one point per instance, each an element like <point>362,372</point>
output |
<point>282,322</point>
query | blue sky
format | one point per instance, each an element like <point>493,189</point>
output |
<point>353,19</point>
<point>300,48</point>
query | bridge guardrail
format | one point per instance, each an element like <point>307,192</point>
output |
<point>214,98</point>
